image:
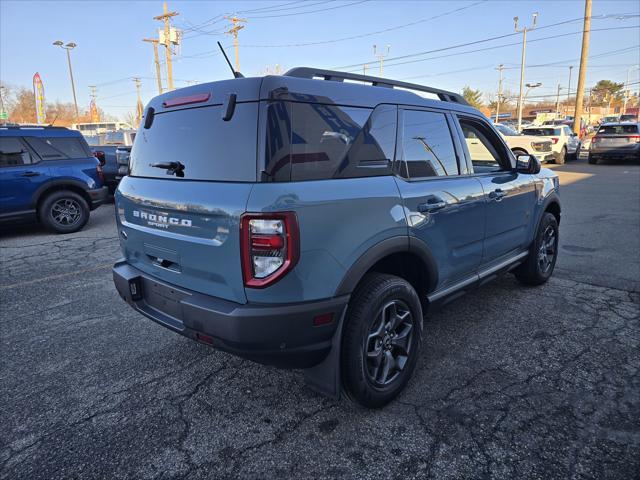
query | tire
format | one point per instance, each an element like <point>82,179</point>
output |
<point>538,267</point>
<point>593,160</point>
<point>63,211</point>
<point>562,157</point>
<point>576,154</point>
<point>379,301</point>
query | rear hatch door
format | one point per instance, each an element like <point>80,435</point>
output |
<point>183,227</point>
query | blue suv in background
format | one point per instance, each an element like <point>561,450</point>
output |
<point>48,174</point>
<point>309,220</point>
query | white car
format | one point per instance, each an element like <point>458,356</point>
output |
<point>526,144</point>
<point>565,143</point>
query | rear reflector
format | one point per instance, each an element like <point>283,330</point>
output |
<point>197,98</point>
<point>201,337</point>
<point>324,319</point>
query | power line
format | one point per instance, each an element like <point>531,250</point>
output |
<point>368,34</point>
<point>312,11</point>
<point>490,48</point>
<point>485,40</point>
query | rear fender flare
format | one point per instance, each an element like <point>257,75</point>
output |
<point>383,249</point>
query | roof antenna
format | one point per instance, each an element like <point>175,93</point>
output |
<point>235,74</point>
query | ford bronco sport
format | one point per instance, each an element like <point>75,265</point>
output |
<point>48,174</point>
<point>308,220</point>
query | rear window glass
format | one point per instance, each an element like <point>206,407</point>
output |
<point>312,141</point>
<point>59,148</point>
<point>618,129</point>
<point>208,147</point>
<point>544,132</point>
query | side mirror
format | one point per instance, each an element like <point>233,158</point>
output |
<point>99,154</point>
<point>527,164</point>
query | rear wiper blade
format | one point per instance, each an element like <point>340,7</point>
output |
<point>172,168</point>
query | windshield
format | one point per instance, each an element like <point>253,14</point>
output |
<point>507,131</point>
<point>543,132</point>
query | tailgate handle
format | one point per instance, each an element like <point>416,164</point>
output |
<point>164,263</point>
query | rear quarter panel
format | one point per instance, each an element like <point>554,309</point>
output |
<point>339,221</point>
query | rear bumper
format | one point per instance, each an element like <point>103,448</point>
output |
<point>280,335</point>
<point>622,153</point>
<point>98,196</point>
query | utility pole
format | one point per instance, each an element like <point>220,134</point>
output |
<point>364,69</point>
<point>233,31</point>
<point>68,47</point>
<point>586,31</point>
<point>569,87</point>
<point>93,105</point>
<point>500,68</point>
<point>156,59</point>
<point>558,101</point>
<point>381,57</point>
<point>626,90</point>
<point>524,31</point>
<point>139,106</point>
<point>166,40</point>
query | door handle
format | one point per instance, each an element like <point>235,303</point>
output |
<point>497,195</point>
<point>430,207</point>
<point>30,174</point>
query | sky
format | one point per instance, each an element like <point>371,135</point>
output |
<point>329,34</point>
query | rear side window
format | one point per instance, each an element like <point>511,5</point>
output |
<point>58,148</point>
<point>618,129</point>
<point>544,132</point>
<point>312,141</point>
<point>13,152</point>
<point>427,145</point>
<point>208,147</point>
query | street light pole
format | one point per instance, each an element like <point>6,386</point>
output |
<point>68,47</point>
<point>524,31</point>
<point>381,57</point>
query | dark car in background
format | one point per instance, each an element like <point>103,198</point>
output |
<point>105,147</point>
<point>616,141</point>
<point>48,174</point>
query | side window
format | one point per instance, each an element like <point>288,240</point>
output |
<point>483,147</point>
<point>44,149</point>
<point>427,145</point>
<point>70,147</point>
<point>311,141</point>
<point>13,152</point>
<point>567,131</point>
<point>322,137</point>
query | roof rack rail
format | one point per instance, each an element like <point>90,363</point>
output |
<point>33,127</point>
<point>311,73</point>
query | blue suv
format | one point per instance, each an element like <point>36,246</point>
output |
<point>48,174</point>
<point>310,220</point>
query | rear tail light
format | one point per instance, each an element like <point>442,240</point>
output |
<point>634,138</point>
<point>554,140</point>
<point>100,172</point>
<point>99,154</point>
<point>595,139</point>
<point>270,247</point>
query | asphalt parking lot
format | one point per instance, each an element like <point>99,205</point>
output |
<point>513,382</point>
